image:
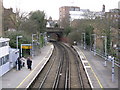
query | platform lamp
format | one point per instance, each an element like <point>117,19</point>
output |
<point>105,37</point>
<point>32,44</point>
<point>17,40</point>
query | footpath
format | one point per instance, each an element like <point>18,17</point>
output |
<point>22,78</point>
<point>99,75</point>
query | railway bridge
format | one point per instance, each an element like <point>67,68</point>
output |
<point>54,33</point>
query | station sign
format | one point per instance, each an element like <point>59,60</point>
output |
<point>26,46</point>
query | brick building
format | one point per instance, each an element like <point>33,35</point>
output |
<point>112,17</point>
<point>64,15</point>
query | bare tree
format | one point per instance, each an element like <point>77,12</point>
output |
<point>18,18</point>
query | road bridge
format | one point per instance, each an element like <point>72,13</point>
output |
<point>54,33</point>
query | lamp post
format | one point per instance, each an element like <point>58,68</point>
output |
<point>105,48</point>
<point>94,44</point>
<point>17,40</point>
<point>32,44</point>
<point>84,41</point>
<point>81,40</point>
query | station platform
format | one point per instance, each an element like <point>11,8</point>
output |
<point>98,75</point>
<point>22,78</point>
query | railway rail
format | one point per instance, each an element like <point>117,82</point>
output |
<point>63,70</point>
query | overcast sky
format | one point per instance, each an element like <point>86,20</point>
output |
<point>51,7</point>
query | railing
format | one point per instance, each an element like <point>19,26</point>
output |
<point>117,63</point>
<point>116,60</point>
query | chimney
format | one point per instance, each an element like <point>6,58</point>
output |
<point>103,8</point>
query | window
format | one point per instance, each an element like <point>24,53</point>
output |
<point>4,60</point>
<point>72,9</point>
<point>63,15</point>
<point>77,9</point>
<point>4,44</point>
<point>1,61</point>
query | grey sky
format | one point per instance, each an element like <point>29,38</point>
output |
<point>51,7</point>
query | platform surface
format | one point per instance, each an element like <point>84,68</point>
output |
<point>100,76</point>
<point>20,79</point>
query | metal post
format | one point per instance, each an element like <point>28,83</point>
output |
<point>84,42</point>
<point>81,40</point>
<point>39,42</point>
<point>94,44</point>
<point>21,50</point>
<point>17,42</point>
<point>105,50</point>
<point>113,71</point>
<point>90,43</point>
<point>32,45</point>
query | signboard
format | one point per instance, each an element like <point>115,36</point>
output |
<point>26,46</point>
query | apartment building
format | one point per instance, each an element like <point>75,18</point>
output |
<point>64,15</point>
<point>112,15</point>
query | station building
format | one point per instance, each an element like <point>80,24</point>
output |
<point>8,56</point>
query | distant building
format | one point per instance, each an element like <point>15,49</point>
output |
<point>78,14</point>
<point>51,23</point>
<point>8,56</point>
<point>64,17</point>
<point>84,14</point>
<point>68,13</point>
<point>113,16</point>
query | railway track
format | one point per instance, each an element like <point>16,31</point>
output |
<point>63,70</point>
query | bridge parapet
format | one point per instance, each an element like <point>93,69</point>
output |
<point>50,29</point>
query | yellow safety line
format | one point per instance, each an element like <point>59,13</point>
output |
<point>93,72</point>
<point>27,76</point>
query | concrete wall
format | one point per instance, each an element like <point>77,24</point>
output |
<point>4,69</point>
